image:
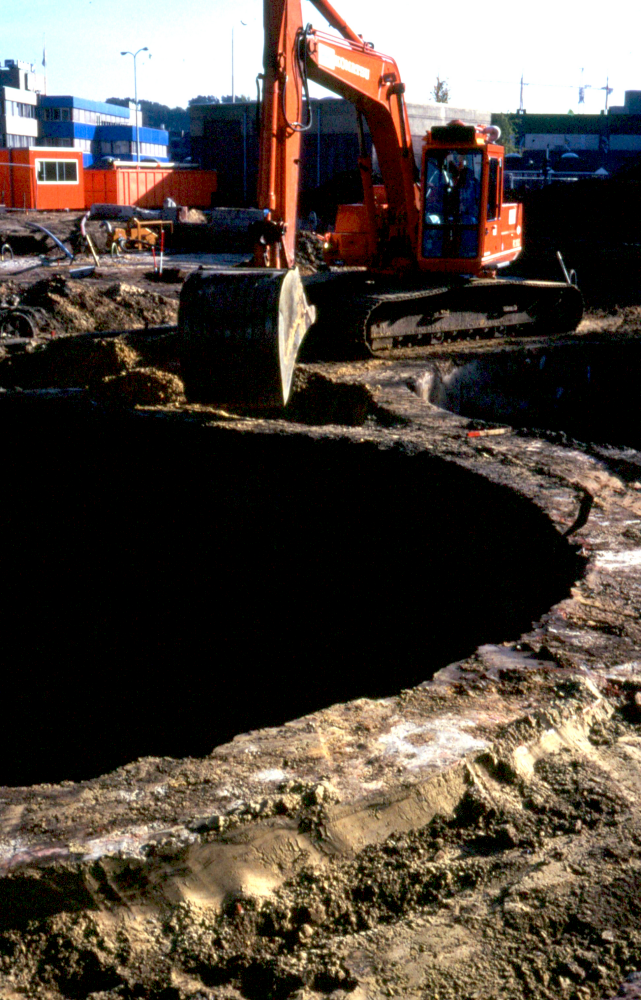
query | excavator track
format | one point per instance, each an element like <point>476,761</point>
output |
<point>241,331</point>
<point>359,316</point>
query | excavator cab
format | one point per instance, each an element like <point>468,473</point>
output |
<point>464,225</point>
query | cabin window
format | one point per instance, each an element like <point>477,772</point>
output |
<point>452,203</point>
<point>493,192</point>
<point>57,171</point>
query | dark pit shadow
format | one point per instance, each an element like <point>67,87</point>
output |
<point>168,585</point>
<point>589,391</point>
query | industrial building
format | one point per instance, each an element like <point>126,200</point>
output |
<point>47,141</point>
<point>29,117</point>
<point>20,87</point>
<point>98,129</point>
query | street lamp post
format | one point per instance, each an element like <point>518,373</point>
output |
<point>233,92</point>
<point>134,54</point>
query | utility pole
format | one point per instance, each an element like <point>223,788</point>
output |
<point>233,91</point>
<point>521,110</point>
<point>134,54</point>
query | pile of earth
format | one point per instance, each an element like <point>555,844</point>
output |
<point>75,306</point>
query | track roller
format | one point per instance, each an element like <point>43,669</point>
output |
<point>239,333</point>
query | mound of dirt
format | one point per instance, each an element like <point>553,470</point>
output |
<point>140,387</point>
<point>78,306</point>
<point>68,362</point>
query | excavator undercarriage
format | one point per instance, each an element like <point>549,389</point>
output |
<point>360,315</point>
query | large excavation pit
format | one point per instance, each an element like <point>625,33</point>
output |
<point>173,583</point>
<point>587,390</point>
<point>178,577</point>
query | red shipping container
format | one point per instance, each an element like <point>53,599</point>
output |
<point>148,187</point>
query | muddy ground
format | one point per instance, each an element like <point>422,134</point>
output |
<point>467,831</point>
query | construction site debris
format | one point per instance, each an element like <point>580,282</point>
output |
<point>75,306</point>
<point>489,432</point>
<point>309,251</point>
<point>140,387</point>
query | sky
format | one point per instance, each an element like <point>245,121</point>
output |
<point>480,49</point>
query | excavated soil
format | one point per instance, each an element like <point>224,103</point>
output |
<point>515,874</point>
<point>467,827</point>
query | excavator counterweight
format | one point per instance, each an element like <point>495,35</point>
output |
<point>427,251</point>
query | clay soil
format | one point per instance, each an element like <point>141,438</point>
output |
<point>515,874</point>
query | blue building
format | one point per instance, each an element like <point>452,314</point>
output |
<point>98,129</point>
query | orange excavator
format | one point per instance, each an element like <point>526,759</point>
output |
<point>423,251</point>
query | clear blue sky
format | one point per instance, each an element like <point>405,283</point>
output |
<point>481,49</point>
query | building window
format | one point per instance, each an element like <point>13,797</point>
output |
<point>57,171</point>
<point>20,141</point>
<point>152,149</point>
<point>54,140</point>
<point>18,109</point>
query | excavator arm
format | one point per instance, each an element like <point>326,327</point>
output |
<point>351,68</point>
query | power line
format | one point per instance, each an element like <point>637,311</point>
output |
<point>510,83</point>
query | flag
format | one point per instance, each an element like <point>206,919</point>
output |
<point>44,54</point>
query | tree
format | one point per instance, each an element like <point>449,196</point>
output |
<point>508,134</point>
<point>210,99</point>
<point>238,99</point>
<point>441,91</point>
<point>156,115</point>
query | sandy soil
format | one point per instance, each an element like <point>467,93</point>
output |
<point>511,869</point>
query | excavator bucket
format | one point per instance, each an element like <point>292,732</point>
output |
<point>239,333</point>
